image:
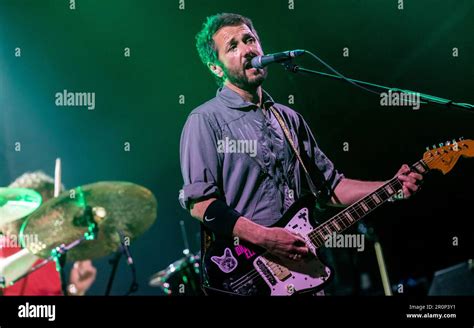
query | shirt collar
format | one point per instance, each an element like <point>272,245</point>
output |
<point>232,99</point>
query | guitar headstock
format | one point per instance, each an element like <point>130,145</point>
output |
<point>444,156</point>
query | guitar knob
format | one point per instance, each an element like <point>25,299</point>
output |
<point>290,289</point>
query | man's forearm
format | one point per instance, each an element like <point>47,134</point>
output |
<point>243,228</point>
<point>349,191</point>
<point>198,209</point>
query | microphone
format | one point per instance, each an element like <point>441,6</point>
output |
<point>262,61</point>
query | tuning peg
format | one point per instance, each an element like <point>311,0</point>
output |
<point>462,138</point>
<point>427,148</point>
<point>434,146</point>
<point>447,143</point>
<point>441,144</point>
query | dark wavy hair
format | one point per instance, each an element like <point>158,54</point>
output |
<point>205,43</point>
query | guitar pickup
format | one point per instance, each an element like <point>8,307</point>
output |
<point>279,271</point>
<point>263,269</point>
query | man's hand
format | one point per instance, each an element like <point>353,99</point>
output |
<point>411,181</point>
<point>283,243</point>
<point>277,241</point>
<point>82,276</point>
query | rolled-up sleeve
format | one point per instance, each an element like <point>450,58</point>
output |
<point>323,163</point>
<point>200,161</point>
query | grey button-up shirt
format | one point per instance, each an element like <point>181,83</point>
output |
<point>235,151</point>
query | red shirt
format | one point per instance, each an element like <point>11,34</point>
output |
<point>42,282</point>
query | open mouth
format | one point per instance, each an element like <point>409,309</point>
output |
<point>248,65</point>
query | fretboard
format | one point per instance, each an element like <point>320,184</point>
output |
<point>359,209</point>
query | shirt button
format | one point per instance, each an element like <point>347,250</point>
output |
<point>291,194</point>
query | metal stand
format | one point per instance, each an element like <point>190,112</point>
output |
<point>115,261</point>
<point>291,67</point>
<point>370,234</point>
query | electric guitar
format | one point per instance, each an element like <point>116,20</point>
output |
<point>233,267</point>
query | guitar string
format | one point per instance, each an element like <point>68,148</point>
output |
<point>254,273</point>
<point>340,219</point>
<point>350,209</point>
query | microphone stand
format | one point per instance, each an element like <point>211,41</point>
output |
<point>123,249</point>
<point>126,251</point>
<point>114,262</point>
<point>291,67</point>
<point>370,234</point>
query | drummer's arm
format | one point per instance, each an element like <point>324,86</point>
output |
<point>243,228</point>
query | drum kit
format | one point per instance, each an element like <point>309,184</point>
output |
<point>87,222</point>
<point>181,277</point>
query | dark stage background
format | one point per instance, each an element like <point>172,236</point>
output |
<point>138,101</point>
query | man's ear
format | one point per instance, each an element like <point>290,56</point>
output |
<point>216,69</point>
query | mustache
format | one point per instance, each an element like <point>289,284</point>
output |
<point>248,60</point>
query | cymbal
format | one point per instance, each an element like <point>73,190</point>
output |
<point>16,203</point>
<point>128,207</point>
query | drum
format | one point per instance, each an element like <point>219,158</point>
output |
<point>180,278</point>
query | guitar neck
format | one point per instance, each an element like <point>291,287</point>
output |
<point>355,212</point>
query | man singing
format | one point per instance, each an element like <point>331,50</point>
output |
<point>242,194</point>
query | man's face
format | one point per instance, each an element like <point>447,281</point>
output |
<point>236,46</point>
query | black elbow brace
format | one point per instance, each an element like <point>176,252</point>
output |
<point>220,218</point>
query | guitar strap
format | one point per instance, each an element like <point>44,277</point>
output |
<point>322,191</point>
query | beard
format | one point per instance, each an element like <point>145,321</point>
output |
<point>246,79</point>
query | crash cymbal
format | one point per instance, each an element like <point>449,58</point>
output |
<point>128,207</point>
<point>16,203</point>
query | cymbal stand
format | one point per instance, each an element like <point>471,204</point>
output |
<point>115,261</point>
